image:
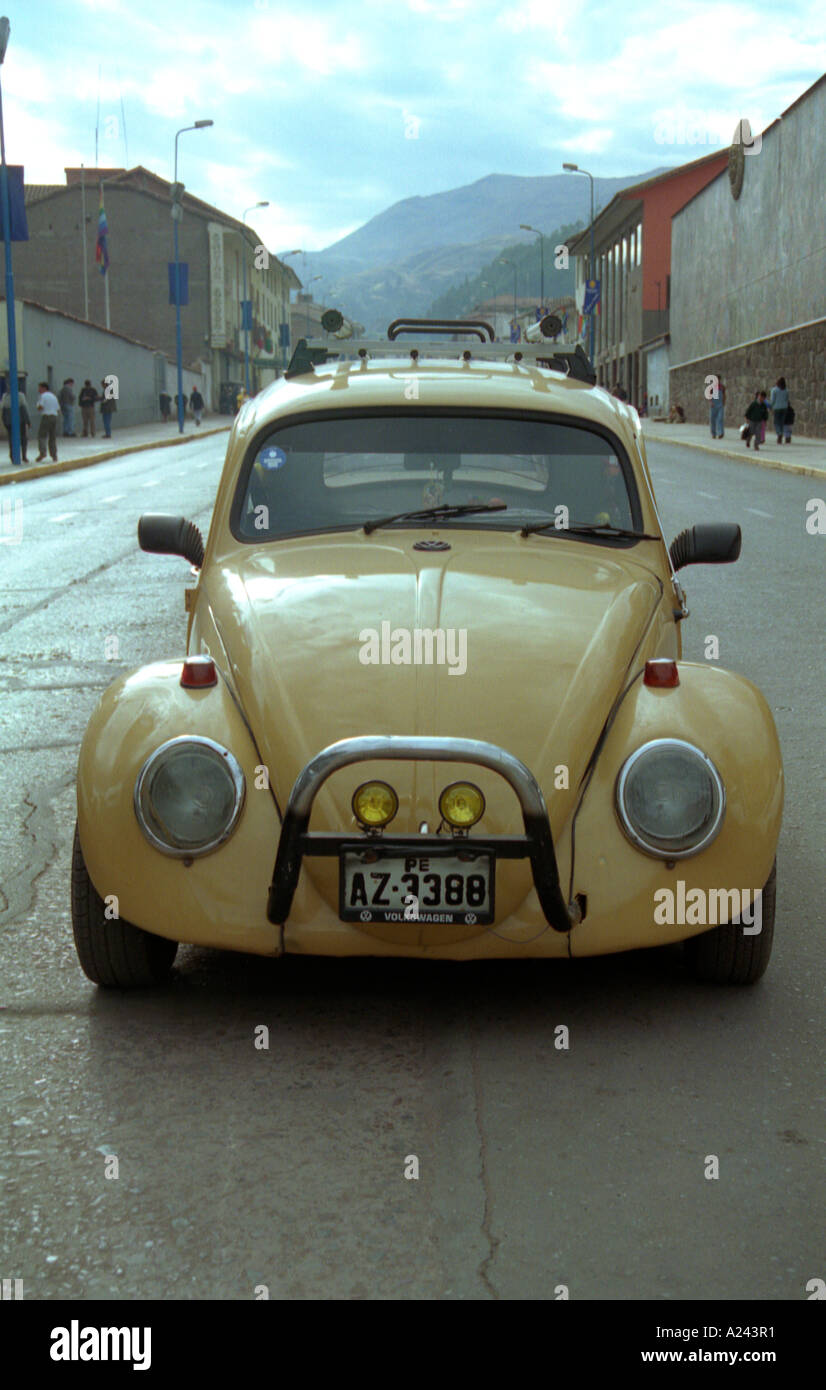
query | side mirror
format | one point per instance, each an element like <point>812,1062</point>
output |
<point>714,543</point>
<point>171,535</point>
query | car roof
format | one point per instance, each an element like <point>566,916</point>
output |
<point>441,382</point>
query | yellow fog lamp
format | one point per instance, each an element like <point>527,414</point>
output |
<point>461,805</point>
<point>374,805</point>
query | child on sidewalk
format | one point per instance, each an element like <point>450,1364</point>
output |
<point>756,412</point>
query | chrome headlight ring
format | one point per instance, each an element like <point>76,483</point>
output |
<point>186,816</point>
<point>702,820</point>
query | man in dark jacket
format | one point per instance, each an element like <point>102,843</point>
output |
<point>755,412</point>
<point>108,406</point>
<point>196,401</point>
<point>87,401</point>
<point>66,397</point>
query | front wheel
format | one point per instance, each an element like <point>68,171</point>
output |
<point>112,952</point>
<point>726,955</point>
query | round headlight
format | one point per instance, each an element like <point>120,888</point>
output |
<point>374,804</point>
<point>188,796</point>
<point>670,799</point>
<point>461,805</point>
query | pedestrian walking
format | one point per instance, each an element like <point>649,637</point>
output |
<point>48,408</point>
<point>779,404</point>
<point>761,396</point>
<point>717,411</point>
<point>108,406</point>
<point>787,424</point>
<point>25,421</point>
<point>196,401</point>
<point>756,412</point>
<point>66,397</point>
<point>165,401</point>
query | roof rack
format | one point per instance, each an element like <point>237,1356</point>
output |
<point>315,352</point>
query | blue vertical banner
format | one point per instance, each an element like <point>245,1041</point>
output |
<point>592,289</point>
<point>102,244</point>
<point>283,335</point>
<point>17,205</point>
<point>246,313</point>
<point>183,269</point>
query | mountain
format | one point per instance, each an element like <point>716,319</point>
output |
<point>414,251</point>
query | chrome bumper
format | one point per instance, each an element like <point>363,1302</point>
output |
<point>536,844</point>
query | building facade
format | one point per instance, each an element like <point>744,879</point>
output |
<point>633,252</point>
<point>56,267</point>
<point>748,294</point>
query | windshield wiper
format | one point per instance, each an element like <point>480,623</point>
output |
<point>447,509</point>
<point>594,528</point>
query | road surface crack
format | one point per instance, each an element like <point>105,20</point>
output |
<point>487,1214</point>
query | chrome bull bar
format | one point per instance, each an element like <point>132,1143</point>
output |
<point>536,844</point>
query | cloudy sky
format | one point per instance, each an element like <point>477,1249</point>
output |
<point>334,109</point>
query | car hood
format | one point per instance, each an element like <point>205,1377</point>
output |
<point>539,635</point>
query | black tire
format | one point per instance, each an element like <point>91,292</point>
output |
<point>113,953</point>
<point>725,955</point>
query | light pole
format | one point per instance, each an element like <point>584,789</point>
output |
<point>523,226</point>
<point>311,281</point>
<point>296,252</point>
<point>177,214</point>
<point>14,396</point>
<point>246,317</point>
<point>575,169</point>
<point>503,261</point>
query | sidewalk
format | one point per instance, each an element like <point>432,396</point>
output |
<point>78,452</point>
<point>801,456</point>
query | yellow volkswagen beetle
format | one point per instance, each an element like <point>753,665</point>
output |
<point>433,703</point>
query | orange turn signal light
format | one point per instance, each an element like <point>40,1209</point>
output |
<point>661,673</point>
<point>198,672</point>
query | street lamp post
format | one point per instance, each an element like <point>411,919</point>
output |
<point>246,317</point>
<point>5,30</point>
<point>503,261</point>
<point>177,213</point>
<point>575,169</point>
<point>523,226</point>
<point>297,252</point>
<point>311,281</point>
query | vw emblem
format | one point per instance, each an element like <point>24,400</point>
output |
<point>366,916</point>
<point>431,545</point>
<point>470,919</point>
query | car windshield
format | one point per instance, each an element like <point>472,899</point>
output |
<point>338,472</point>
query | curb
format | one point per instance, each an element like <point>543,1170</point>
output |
<point>746,457</point>
<point>42,470</point>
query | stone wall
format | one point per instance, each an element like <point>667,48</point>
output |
<point>799,356</point>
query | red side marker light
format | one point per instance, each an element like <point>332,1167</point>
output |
<point>198,672</point>
<point>661,673</point>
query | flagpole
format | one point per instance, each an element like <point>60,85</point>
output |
<point>83,244</point>
<point>104,260</point>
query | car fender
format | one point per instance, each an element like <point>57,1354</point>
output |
<point>218,899</point>
<point>725,716</point>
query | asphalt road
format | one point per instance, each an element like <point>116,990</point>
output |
<point>537,1167</point>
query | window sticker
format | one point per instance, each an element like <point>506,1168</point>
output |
<point>272,457</point>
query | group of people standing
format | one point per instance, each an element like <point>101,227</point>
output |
<point>49,408</point>
<point>195,403</point>
<point>756,414</point>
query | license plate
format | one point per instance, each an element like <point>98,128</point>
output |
<point>377,885</point>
